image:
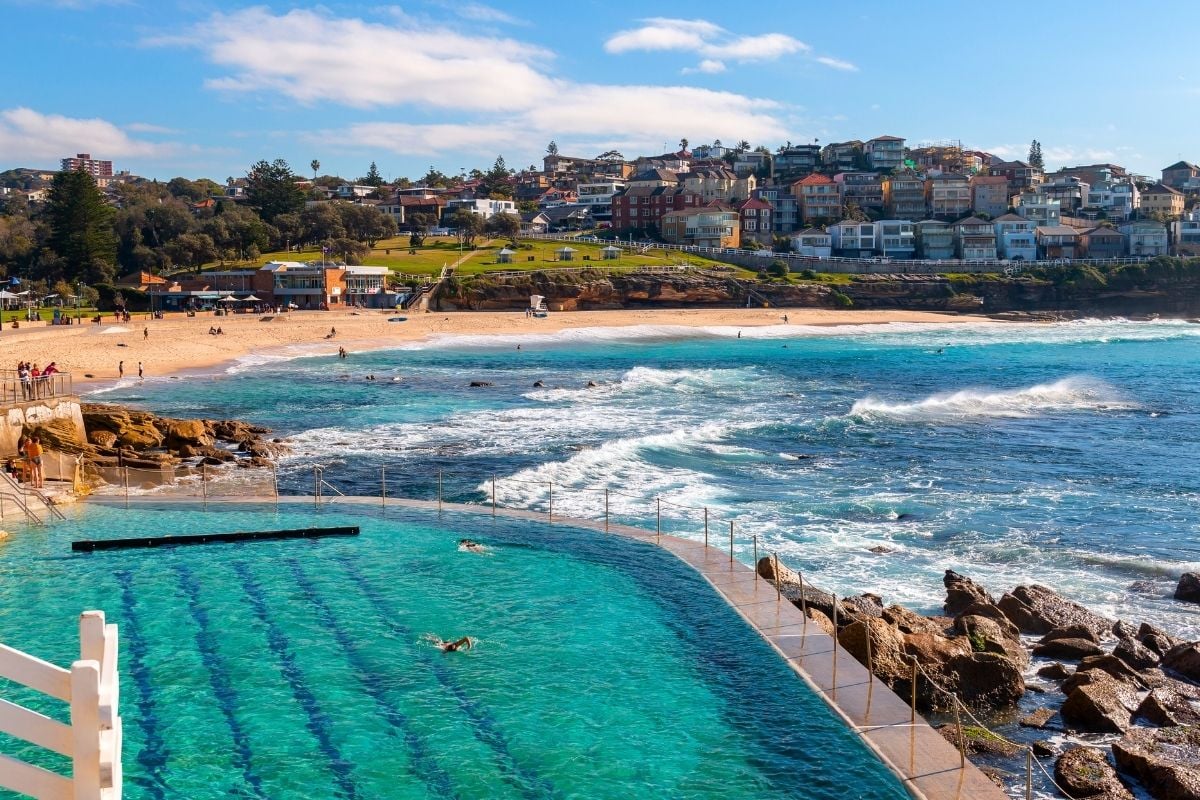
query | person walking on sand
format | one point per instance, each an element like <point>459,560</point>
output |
<point>145,332</point>
<point>140,371</point>
<point>33,452</point>
<point>120,370</point>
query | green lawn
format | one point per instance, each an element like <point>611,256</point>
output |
<point>46,314</point>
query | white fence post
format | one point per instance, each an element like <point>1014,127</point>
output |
<point>85,729</point>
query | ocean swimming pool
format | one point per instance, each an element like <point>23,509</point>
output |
<point>604,667</point>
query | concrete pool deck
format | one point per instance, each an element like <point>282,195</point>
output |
<point>926,763</point>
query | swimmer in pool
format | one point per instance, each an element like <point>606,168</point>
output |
<point>465,643</point>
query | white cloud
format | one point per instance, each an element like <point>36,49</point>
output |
<point>147,127</point>
<point>478,12</point>
<point>705,38</point>
<point>709,66</point>
<point>28,135</point>
<point>836,63</point>
<point>496,94</point>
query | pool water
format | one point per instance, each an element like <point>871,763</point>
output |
<point>604,668</point>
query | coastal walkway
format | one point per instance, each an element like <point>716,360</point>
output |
<point>927,764</point>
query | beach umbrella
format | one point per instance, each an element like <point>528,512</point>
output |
<point>228,299</point>
<point>4,295</point>
<point>251,299</point>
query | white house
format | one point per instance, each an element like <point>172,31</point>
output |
<point>813,242</point>
<point>1116,200</point>
<point>854,239</point>
<point>896,238</point>
<point>1146,238</point>
<point>1043,211</point>
<point>484,208</point>
<point>1016,237</point>
<point>1185,233</point>
<point>598,197</point>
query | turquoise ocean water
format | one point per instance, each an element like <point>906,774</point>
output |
<point>276,670</point>
<point>1061,454</point>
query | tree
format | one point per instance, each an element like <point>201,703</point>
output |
<point>351,252</point>
<point>610,155</point>
<point>315,165</point>
<point>743,146</point>
<point>81,229</point>
<point>497,182</point>
<point>322,222</point>
<point>468,224</point>
<point>504,226</point>
<point>271,189</point>
<point>552,148</point>
<point>420,223</point>
<point>434,178</point>
<point>192,250</point>
<point>1035,155</point>
<point>683,144</point>
<point>373,178</point>
<point>365,223</point>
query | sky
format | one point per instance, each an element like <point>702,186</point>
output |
<point>204,88</point>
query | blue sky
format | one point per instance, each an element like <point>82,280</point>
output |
<point>205,88</point>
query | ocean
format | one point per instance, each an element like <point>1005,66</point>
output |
<point>1060,454</point>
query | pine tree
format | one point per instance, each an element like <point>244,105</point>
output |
<point>552,148</point>
<point>81,227</point>
<point>1035,155</point>
<point>271,189</point>
<point>373,177</point>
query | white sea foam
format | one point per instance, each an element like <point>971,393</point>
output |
<point>1068,394</point>
<point>650,379</point>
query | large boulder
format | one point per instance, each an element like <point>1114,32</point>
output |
<point>986,680</point>
<point>1188,589</point>
<point>908,621</point>
<point>104,439</point>
<point>185,432</point>
<point>1167,707</point>
<point>1038,609</point>
<point>790,583</point>
<point>1165,760</point>
<point>888,660</point>
<point>1098,703</point>
<point>1084,772</point>
<point>1070,632</point>
<point>1156,639</point>
<point>962,592</point>
<point>1115,667</point>
<point>135,429</point>
<point>59,435</point>
<point>1183,660</point>
<point>1068,649</point>
<point>1135,654</point>
<point>987,635</point>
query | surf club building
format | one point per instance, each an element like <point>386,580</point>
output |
<point>286,284</point>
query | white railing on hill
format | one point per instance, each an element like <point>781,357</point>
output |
<point>93,738</point>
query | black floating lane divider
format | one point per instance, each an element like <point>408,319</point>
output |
<point>91,545</point>
<point>152,756</point>
<point>424,765</point>
<point>318,722</point>
<point>218,676</point>
<point>531,785</point>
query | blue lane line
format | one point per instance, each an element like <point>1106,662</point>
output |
<point>424,766</point>
<point>206,641</point>
<point>525,780</point>
<point>152,756</point>
<point>318,722</point>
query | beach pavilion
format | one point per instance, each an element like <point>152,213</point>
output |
<point>611,252</point>
<point>565,253</point>
<point>505,256</point>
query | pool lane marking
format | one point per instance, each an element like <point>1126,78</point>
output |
<point>526,780</point>
<point>425,766</point>
<point>218,677</point>
<point>152,756</point>
<point>318,722</point>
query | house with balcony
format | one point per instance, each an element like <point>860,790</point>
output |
<point>1113,200</point>
<point>597,196</point>
<point>793,163</point>
<point>989,195</point>
<point>949,195</point>
<point>863,189</point>
<point>1092,174</point>
<point>896,238</point>
<point>753,162</point>
<point>757,223</point>
<point>853,239</point>
<point>1021,176</point>
<point>1015,238</point>
<point>786,216</point>
<point>884,153</point>
<point>1070,192</point>
<point>843,157</point>
<point>1039,209</point>
<point>820,198</point>
<point>904,196</point>
<point>1057,241</point>
<point>935,240</point>
<point>813,243</point>
<point>1146,238</point>
<point>1163,200</point>
<point>714,225</point>
<point>1185,234</point>
<point>1180,173</point>
<point>1102,243</point>
<point>975,239</point>
<point>485,208</point>
<point>719,184</point>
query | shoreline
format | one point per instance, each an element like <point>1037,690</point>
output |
<point>181,347</point>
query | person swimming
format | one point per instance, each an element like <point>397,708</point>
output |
<point>471,546</point>
<point>465,643</point>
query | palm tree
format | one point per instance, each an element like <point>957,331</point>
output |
<point>316,165</point>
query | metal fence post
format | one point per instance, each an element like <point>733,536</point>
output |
<point>803,597</point>
<point>755,538</point>
<point>316,485</point>
<point>126,487</point>
<point>204,482</point>
<point>275,483</point>
<point>962,746</point>
<point>1028,773</point>
<point>731,542</point>
<point>835,645</point>
<point>870,666</point>
<point>912,717</point>
<point>775,572</point>
<point>706,528</point>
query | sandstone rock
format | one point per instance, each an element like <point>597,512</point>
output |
<point>1188,589</point>
<point>1069,649</point>
<point>1135,654</point>
<point>480,384</point>
<point>102,438</point>
<point>59,435</point>
<point>1112,665</point>
<point>1166,707</point>
<point>977,740</point>
<point>789,586</point>
<point>962,592</point>
<point>986,680</point>
<point>1055,672</point>
<point>1070,632</point>
<point>865,606</point>
<point>1044,749</point>
<point>1099,703</point>
<point>1036,719</point>
<point>1156,639</point>
<point>997,626</point>
<point>888,660</point>
<point>822,621</point>
<point>1038,609</point>
<point>908,621</point>
<point>1084,772</point>
<point>880,550</point>
<point>179,432</point>
<point>1183,660</point>
<point>1165,760</point>
<point>993,636</point>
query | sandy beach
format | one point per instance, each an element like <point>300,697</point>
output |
<point>180,344</point>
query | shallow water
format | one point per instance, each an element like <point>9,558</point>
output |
<point>1060,454</point>
<point>602,667</point>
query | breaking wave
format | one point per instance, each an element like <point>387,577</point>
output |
<point>1068,394</point>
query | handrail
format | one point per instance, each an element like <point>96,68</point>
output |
<point>26,491</point>
<point>19,499</point>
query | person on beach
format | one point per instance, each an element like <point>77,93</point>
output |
<point>465,643</point>
<point>26,379</point>
<point>33,452</point>
<point>140,371</point>
<point>120,370</point>
<point>145,333</point>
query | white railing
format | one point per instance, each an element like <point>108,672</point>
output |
<point>93,738</point>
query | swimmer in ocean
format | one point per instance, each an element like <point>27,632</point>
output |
<point>465,643</point>
<point>471,546</point>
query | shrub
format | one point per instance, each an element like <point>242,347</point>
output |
<point>842,300</point>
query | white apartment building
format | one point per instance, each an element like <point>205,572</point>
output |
<point>484,208</point>
<point>1039,209</point>
<point>1185,233</point>
<point>1118,201</point>
<point>813,242</point>
<point>1016,238</point>
<point>598,197</point>
<point>896,238</point>
<point>854,239</point>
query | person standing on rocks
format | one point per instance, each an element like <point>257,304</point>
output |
<point>33,452</point>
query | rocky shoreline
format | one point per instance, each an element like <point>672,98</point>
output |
<point>1125,697</point>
